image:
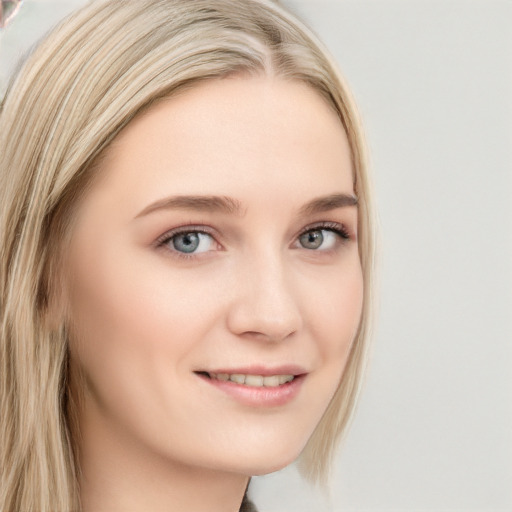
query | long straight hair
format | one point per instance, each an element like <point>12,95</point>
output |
<point>83,83</point>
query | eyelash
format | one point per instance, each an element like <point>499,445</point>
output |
<point>335,227</point>
<point>338,229</point>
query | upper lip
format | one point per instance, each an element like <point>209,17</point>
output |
<point>264,371</point>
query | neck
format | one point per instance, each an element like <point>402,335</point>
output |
<point>120,475</point>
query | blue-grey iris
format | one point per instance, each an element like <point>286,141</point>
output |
<point>312,239</point>
<point>186,242</point>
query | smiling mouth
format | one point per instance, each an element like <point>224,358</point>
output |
<point>256,381</point>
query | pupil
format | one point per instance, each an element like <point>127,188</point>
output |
<point>187,242</point>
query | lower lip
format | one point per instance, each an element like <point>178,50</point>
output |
<point>262,396</point>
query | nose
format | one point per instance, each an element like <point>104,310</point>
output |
<point>265,305</point>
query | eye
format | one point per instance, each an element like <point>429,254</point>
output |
<point>323,238</point>
<point>189,242</point>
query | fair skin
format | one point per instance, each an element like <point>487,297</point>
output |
<point>218,239</point>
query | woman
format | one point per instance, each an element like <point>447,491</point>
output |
<point>186,258</point>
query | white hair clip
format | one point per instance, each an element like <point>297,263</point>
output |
<point>22,24</point>
<point>8,9</point>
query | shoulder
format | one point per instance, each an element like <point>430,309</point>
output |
<point>247,505</point>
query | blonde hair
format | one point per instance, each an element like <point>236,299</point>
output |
<point>93,74</point>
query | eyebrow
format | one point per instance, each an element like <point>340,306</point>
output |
<point>209,204</point>
<point>327,203</point>
<point>224,204</point>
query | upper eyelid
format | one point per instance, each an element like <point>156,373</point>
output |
<point>189,228</point>
<point>326,225</point>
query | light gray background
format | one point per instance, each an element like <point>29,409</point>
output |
<point>433,79</point>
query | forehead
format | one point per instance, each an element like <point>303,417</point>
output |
<point>228,136</point>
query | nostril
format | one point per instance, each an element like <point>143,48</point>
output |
<point>268,335</point>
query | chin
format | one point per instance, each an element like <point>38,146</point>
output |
<point>257,461</point>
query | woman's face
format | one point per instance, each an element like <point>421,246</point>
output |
<point>214,281</point>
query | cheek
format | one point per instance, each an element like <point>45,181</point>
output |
<point>335,319</point>
<point>335,312</point>
<point>132,335</point>
<point>132,318</point>
<point>332,306</point>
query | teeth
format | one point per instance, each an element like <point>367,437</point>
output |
<point>238,378</point>
<point>256,381</point>
<point>272,380</point>
<point>285,378</point>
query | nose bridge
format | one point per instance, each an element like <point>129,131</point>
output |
<point>265,303</point>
